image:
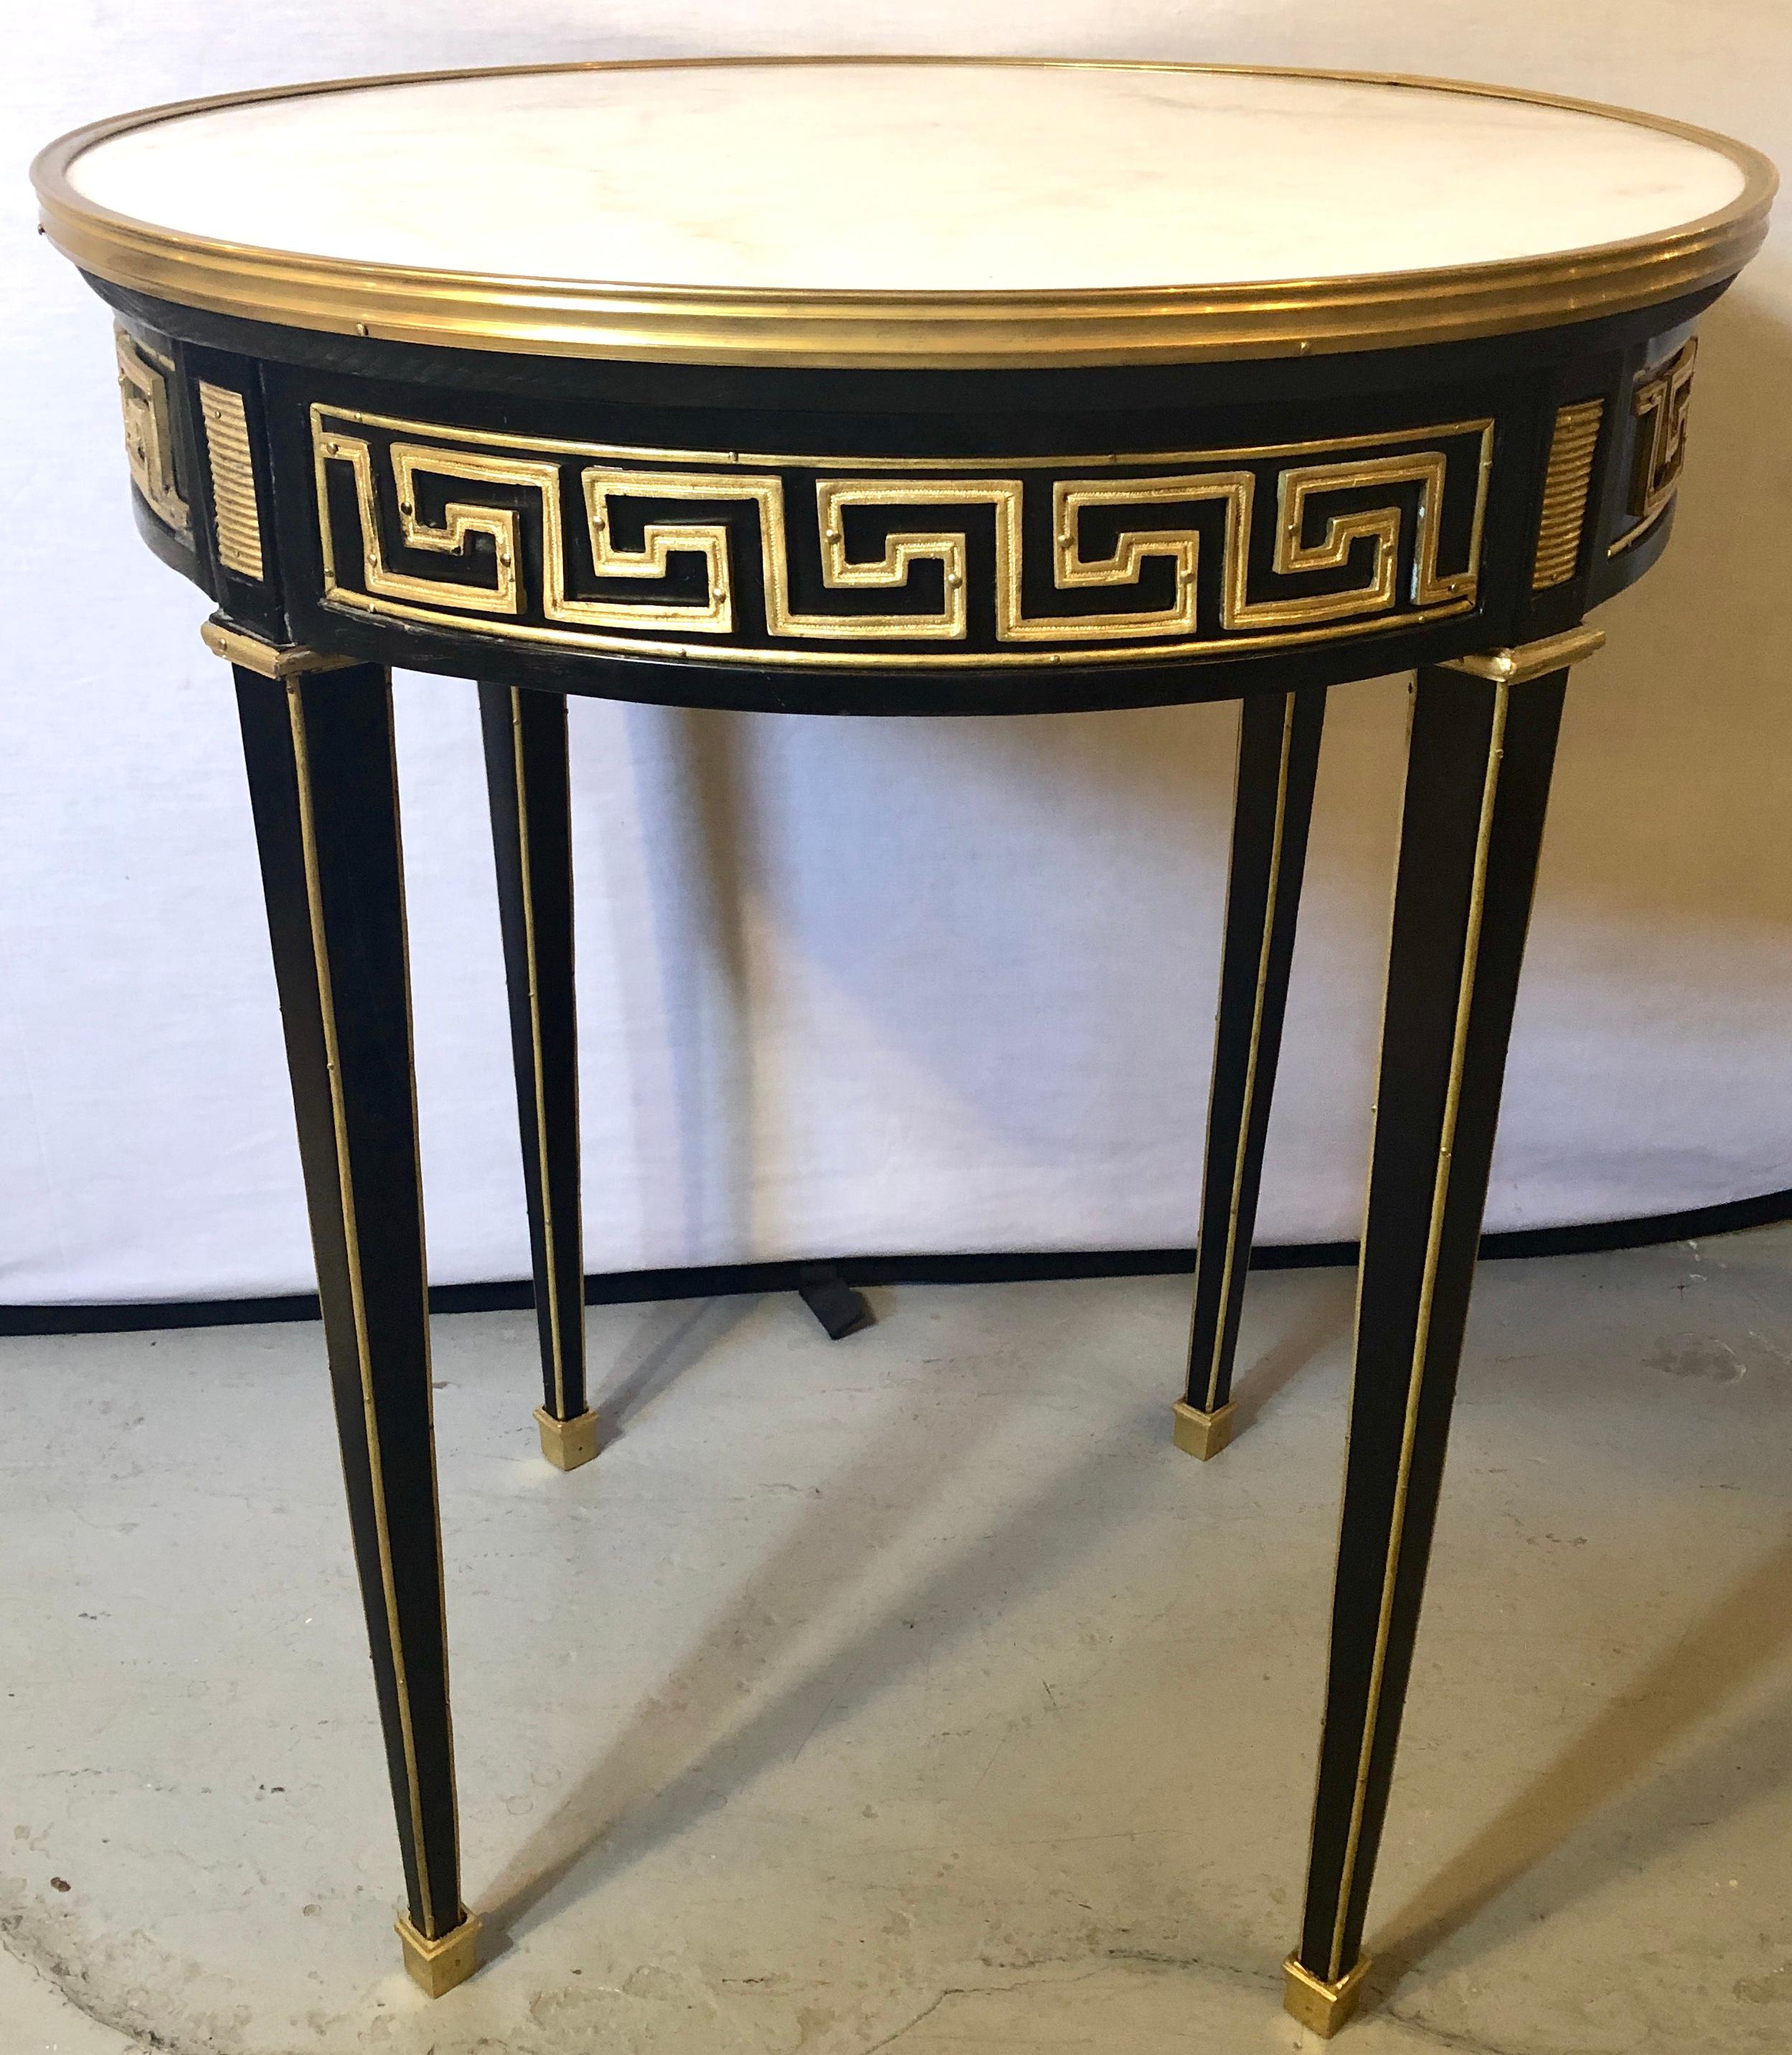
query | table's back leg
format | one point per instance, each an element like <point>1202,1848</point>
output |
<point>1278,759</point>
<point>1477,781</point>
<point>322,781</point>
<point>527,777</point>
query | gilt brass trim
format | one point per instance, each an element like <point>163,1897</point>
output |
<point>571,1435</point>
<point>438,1966</point>
<point>1213,1413</point>
<point>1659,405</point>
<point>359,578</point>
<point>423,1271</point>
<point>235,520</point>
<point>1572,449</point>
<point>1322,2008</point>
<point>1202,1434</point>
<point>878,330</point>
<point>266,660</point>
<point>567,1444</point>
<point>143,393</point>
<point>1530,660</point>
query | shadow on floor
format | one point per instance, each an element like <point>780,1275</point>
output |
<point>671,1339</point>
<point>1707,1668</point>
<point>685,1750</point>
<point>1323,1320</point>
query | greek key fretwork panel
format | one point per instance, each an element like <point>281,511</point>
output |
<point>143,393</point>
<point>1658,454</point>
<point>898,561</point>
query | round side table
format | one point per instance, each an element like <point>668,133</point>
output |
<point>903,387</point>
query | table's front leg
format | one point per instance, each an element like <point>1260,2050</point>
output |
<point>1278,759</point>
<point>322,779</point>
<point>1478,778</point>
<point>528,782</point>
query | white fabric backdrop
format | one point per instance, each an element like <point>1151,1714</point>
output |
<point>864,986</point>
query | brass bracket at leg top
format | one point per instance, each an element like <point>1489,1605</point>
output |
<point>266,660</point>
<point>1529,660</point>
<point>1320,2007</point>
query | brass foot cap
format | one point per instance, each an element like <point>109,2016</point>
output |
<point>437,1966</point>
<point>1202,1434</point>
<point>567,1443</point>
<point>1322,2007</point>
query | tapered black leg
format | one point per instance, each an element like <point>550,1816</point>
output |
<point>525,776</point>
<point>322,781</point>
<point>1278,759</point>
<point>1478,782</point>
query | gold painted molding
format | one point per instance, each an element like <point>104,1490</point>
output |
<point>871,329</point>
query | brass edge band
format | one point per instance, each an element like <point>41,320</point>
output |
<point>267,660</point>
<point>885,331</point>
<point>1530,660</point>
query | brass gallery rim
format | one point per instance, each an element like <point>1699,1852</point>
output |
<point>876,330</point>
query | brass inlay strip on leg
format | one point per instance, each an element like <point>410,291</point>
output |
<point>1272,892</point>
<point>526,870</point>
<point>314,897</point>
<point>1564,512</point>
<point>1362,1244</point>
<point>460,1914</point>
<point>235,520</point>
<point>1440,1196</point>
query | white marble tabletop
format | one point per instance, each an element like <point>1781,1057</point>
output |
<point>923,177</point>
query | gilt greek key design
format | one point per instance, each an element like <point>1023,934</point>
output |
<point>1659,404</point>
<point>1572,446</point>
<point>898,561</point>
<point>143,392</point>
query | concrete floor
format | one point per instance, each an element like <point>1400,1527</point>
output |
<point>912,1692</point>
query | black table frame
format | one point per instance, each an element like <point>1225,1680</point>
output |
<point>246,481</point>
